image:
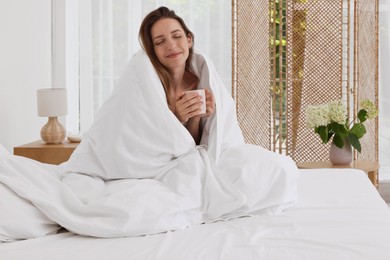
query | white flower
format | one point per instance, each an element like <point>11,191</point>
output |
<point>337,112</point>
<point>370,107</point>
<point>317,116</point>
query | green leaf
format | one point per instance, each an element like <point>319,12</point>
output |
<point>359,130</point>
<point>338,129</point>
<point>338,141</point>
<point>323,132</point>
<point>362,115</point>
<point>354,141</point>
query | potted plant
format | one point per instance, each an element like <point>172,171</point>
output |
<point>330,121</point>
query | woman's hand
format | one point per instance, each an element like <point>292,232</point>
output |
<point>187,106</point>
<point>210,103</point>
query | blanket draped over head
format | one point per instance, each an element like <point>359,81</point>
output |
<point>138,170</point>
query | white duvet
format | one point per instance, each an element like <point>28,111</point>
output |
<point>138,171</point>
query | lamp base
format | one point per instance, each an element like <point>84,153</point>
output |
<point>53,132</point>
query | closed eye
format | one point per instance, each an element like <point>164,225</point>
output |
<point>158,42</point>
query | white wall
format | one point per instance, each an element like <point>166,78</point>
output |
<point>25,66</point>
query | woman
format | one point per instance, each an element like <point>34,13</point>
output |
<point>169,45</point>
<point>139,171</point>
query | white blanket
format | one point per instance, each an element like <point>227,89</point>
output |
<point>138,170</point>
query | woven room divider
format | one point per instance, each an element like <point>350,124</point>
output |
<point>251,75</point>
<point>366,68</point>
<point>288,54</point>
<point>315,70</point>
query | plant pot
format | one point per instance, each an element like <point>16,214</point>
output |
<point>341,156</point>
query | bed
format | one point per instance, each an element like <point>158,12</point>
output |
<point>338,215</point>
<point>133,191</point>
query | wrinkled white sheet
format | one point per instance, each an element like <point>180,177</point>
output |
<point>339,215</point>
<point>138,171</point>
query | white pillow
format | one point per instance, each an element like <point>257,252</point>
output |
<point>19,218</point>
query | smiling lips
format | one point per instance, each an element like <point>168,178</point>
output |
<point>174,55</point>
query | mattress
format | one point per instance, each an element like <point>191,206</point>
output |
<point>339,215</point>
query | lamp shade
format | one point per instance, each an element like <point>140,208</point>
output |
<point>52,102</point>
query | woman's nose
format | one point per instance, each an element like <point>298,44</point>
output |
<point>171,43</point>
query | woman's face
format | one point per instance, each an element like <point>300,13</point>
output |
<point>171,44</point>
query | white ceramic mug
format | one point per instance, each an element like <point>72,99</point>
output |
<point>202,93</point>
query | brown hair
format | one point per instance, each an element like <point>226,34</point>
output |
<point>145,37</point>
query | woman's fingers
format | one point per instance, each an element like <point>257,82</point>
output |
<point>190,103</point>
<point>187,106</point>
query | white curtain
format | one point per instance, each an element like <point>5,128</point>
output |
<point>384,91</point>
<point>108,36</point>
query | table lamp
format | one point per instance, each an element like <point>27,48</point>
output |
<point>52,102</point>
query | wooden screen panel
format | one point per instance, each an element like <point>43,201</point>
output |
<point>251,70</point>
<point>366,70</point>
<point>314,70</point>
<point>320,59</point>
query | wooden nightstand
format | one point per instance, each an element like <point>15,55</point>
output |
<point>46,153</point>
<point>370,167</point>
